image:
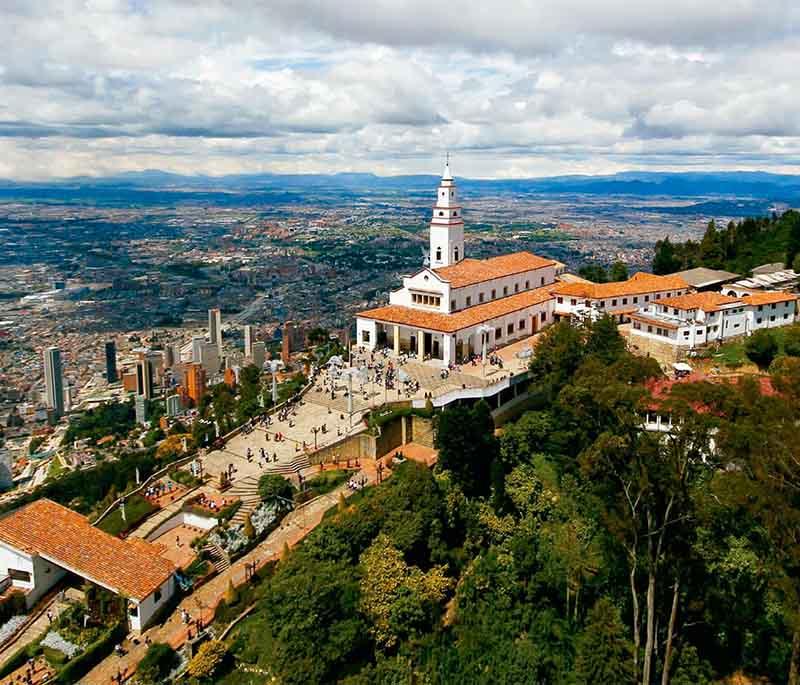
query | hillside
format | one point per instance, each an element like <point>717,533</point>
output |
<point>738,247</point>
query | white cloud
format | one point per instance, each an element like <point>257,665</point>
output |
<point>522,88</point>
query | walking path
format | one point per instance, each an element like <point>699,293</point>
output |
<point>202,603</point>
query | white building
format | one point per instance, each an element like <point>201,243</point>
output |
<point>697,319</point>
<point>42,542</point>
<point>448,310</point>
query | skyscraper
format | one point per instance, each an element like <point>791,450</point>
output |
<point>209,358</point>
<point>259,354</point>
<point>111,361</point>
<point>197,343</point>
<point>215,328</point>
<point>144,377</point>
<point>196,382</point>
<point>54,380</point>
<point>248,341</point>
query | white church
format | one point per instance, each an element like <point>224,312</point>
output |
<point>448,310</point>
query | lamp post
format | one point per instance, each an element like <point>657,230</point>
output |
<point>484,330</point>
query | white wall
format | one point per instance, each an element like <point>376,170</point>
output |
<point>368,326</point>
<point>569,304</point>
<point>44,574</point>
<point>183,517</point>
<point>149,606</point>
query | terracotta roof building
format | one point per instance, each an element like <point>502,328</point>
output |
<point>43,541</point>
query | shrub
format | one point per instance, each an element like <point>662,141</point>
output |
<point>761,348</point>
<point>159,660</point>
<point>208,659</point>
<point>271,485</point>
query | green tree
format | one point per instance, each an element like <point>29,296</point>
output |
<point>156,664</point>
<point>593,272</point>
<point>603,655</point>
<point>558,355</point>
<point>273,485</point>
<point>604,341</point>
<point>761,348</point>
<point>467,446</point>
<point>791,341</point>
<point>665,261</point>
<point>618,271</point>
<point>711,252</point>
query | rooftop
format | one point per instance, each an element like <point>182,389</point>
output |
<point>638,284</point>
<point>708,302</point>
<point>450,323</point>
<point>132,568</point>
<point>472,271</point>
<point>701,277</point>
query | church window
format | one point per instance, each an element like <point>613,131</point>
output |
<point>494,293</point>
<point>505,290</point>
<point>522,324</point>
<point>542,280</point>
<point>455,213</point>
<point>480,297</point>
<point>516,287</point>
<point>456,254</point>
<point>452,304</point>
<point>438,254</point>
<point>441,213</point>
<point>498,332</point>
<point>543,317</point>
<point>510,329</point>
<point>527,285</point>
<point>469,300</point>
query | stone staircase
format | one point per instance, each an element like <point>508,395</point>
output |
<point>246,489</point>
<point>219,560</point>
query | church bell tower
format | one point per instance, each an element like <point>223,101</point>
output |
<point>447,227</point>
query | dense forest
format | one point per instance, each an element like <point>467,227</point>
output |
<point>571,547</point>
<point>738,247</point>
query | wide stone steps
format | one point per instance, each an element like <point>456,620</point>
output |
<point>219,560</point>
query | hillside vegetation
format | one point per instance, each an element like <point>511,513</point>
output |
<point>738,247</point>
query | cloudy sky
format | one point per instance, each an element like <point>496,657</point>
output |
<point>514,88</point>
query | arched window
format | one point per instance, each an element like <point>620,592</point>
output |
<point>455,213</point>
<point>456,254</point>
<point>441,213</point>
<point>438,254</point>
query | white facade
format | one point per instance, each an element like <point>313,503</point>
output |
<point>569,305</point>
<point>691,328</point>
<point>141,613</point>
<point>447,225</point>
<point>29,573</point>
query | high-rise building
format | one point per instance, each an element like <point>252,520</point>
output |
<point>195,382</point>
<point>248,341</point>
<point>209,357</point>
<point>144,377</point>
<point>215,328</point>
<point>111,361</point>
<point>169,357</point>
<point>259,354</point>
<point>197,344</point>
<point>140,406</point>
<point>54,380</point>
<point>174,405</point>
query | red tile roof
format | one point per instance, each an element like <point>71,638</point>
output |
<point>472,271</point>
<point>638,284</point>
<point>768,297</point>
<point>131,568</point>
<point>450,323</point>
<point>708,302</point>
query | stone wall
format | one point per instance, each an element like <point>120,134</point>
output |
<point>422,431</point>
<point>361,446</point>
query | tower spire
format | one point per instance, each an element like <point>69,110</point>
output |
<point>447,175</point>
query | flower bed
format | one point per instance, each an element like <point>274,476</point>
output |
<point>54,641</point>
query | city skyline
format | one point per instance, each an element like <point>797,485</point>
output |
<point>556,88</point>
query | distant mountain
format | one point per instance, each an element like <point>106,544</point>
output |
<point>739,184</point>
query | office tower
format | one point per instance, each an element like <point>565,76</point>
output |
<point>174,406</point>
<point>248,341</point>
<point>215,328</point>
<point>197,343</point>
<point>209,357</point>
<point>169,357</point>
<point>54,380</point>
<point>144,377</point>
<point>140,406</point>
<point>111,361</point>
<point>195,382</point>
<point>259,354</point>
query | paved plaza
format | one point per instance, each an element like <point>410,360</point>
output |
<point>323,415</point>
